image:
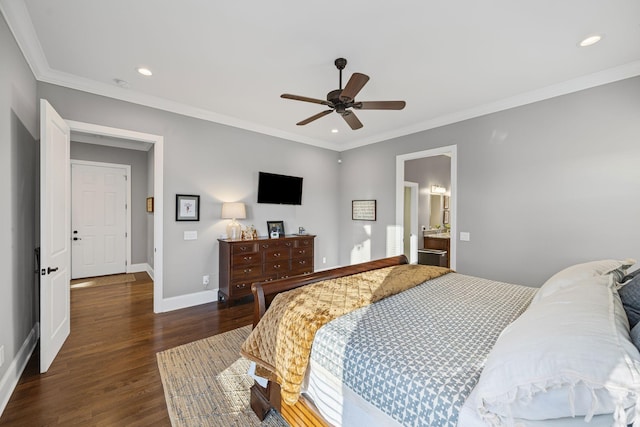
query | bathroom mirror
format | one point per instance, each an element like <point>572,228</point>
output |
<point>438,211</point>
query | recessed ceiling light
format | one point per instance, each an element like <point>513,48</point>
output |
<point>591,40</point>
<point>145,71</point>
<point>334,130</point>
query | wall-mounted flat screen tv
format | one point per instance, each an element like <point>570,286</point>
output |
<point>279,189</point>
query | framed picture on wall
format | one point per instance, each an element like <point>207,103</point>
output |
<point>363,210</point>
<point>445,202</point>
<point>445,217</point>
<point>187,207</point>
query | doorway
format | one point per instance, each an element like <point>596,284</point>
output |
<point>451,216</point>
<point>123,138</point>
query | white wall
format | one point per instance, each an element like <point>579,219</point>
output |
<point>540,187</point>
<point>18,191</point>
<point>219,163</point>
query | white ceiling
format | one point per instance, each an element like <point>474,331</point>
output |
<point>229,61</point>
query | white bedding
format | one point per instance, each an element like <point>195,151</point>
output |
<point>341,406</point>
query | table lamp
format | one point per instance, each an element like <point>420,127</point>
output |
<point>233,211</point>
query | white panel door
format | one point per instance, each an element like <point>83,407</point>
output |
<point>55,248</point>
<point>98,220</point>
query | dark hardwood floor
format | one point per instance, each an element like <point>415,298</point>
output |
<point>106,373</point>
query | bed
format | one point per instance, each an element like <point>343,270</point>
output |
<point>426,346</point>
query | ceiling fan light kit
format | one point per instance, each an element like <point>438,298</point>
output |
<point>343,101</point>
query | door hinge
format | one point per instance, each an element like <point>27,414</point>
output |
<point>126,177</point>
<point>126,234</point>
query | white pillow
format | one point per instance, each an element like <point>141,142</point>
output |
<point>568,355</point>
<point>578,272</point>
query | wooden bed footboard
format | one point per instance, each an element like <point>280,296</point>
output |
<point>303,413</point>
<point>264,292</point>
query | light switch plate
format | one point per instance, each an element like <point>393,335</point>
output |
<point>191,235</point>
<point>465,236</point>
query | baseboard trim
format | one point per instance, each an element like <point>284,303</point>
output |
<point>190,300</point>
<point>138,268</point>
<point>149,271</point>
<point>10,379</point>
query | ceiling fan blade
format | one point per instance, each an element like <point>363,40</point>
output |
<point>305,99</point>
<point>314,117</point>
<point>354,85</point>
<point>352,120</point>
<point>380,105</point>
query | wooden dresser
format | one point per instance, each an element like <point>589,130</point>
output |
<point>243,262</point>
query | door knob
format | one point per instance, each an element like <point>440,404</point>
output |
<point>51,270</point>
<point>77,238</point>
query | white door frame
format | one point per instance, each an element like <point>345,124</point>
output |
<point>413,233</point>
<point>127,168</point>
<point>451,150</point>
<point>158,188</point>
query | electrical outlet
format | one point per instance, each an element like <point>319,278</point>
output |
<point>324,259</point>
<point>1,355</point>
<point>205,280</point>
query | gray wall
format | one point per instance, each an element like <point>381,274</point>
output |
<point>540,187</point>
<point>139,188</point>
<point>219,163</point>
<point>18,191</point>
<point>428,171</point>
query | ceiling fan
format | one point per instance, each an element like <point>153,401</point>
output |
<point>343,100</point>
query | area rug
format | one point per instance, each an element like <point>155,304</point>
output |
<point>113,279</point>
<point>206,383</point>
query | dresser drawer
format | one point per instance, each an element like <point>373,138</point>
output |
<point>240,289</point>
<point>273,244</point>
<point>302,252</point>
<point>246,273</point>
<point>244,259</point>
<point>304,243</point>
<point>277,253</point>
<point>279,267</point>
<point>244,248</point>
<point>301,266</point>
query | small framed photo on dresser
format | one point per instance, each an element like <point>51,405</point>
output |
<point>275,229</point>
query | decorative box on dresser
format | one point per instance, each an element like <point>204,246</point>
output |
<point>243,262</point>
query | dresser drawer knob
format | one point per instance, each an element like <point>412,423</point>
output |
<point>248,258</point>
<point>277,254</point>
<point>276,266</point>
<point>302,262</point>
<point>247,270</point>
<point>241,285</point>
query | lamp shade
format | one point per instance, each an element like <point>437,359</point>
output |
<point>234,210</point>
